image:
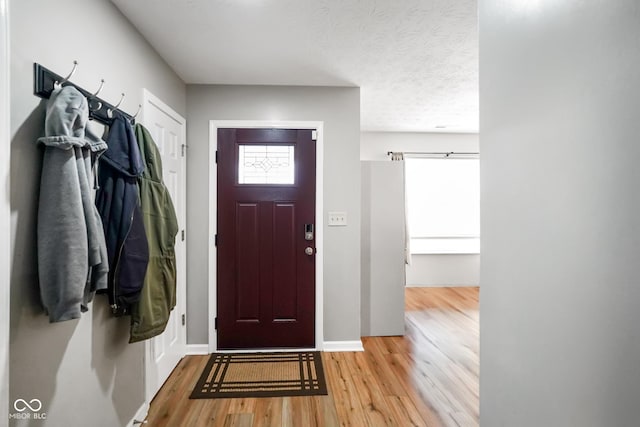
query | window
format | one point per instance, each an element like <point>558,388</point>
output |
<point>266,164</point>
<point>443,205</point>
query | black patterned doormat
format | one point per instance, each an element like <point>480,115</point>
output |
<point>261,375</point>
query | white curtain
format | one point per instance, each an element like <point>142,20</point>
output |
<point>399,157</point>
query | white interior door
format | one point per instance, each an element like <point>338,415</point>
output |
<point>168,130</point>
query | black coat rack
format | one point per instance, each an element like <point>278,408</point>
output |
<point>44,81</point>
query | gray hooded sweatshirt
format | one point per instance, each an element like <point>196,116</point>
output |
<point>72,255</point>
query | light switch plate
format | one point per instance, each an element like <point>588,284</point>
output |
<point>337,219</point>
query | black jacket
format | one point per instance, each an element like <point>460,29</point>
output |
<point>118,202</point>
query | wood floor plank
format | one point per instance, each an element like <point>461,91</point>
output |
<point>343,390</point>
<point>391,383</point>
<point>215,415</point>
<point>238,420</point>
<point>324,410</point>
<point>268,412</point>
<point>301,411</point>
<point>243,406</point>
<point>404,409</point>
<point>373,402</point>
<point>419,389</point>
<point>429,377</point>
<point>287,413</point>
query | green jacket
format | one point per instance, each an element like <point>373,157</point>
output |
<point>150,315</point>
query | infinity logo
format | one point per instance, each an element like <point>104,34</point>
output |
<point>37,405</point>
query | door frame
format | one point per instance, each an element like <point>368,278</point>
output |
<point>149,98</point>
<point>5,211</point>
<point>214,125</point>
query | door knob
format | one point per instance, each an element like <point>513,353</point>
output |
<point>308,250</point>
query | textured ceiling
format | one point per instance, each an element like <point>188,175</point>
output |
<point>416,61</point>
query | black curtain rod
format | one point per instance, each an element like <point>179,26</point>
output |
<point>43,83</point>
<point>435,153</point>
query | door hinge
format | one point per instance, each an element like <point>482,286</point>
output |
<point>184,320</point>
<point>216,156</point>
<point>183,235</point>
<point>184,147</point>
<point>314,135</point>
<point>216,240</point>
<point>215,323</point>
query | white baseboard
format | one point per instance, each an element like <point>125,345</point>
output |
<point>443,285</point>
<point>139,417</point>
<point>266,350</point>
<point>334,346</point>
<point>197,349</point>
<point>328,346</point>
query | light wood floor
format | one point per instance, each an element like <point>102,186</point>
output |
<point>427,378</point>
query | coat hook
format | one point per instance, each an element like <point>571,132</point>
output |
<point>119,102</point>
<point>57,84</point>
<point>94,98</point>
<point>100,88</point>
<point>115,107</point>
<point>137,112</point>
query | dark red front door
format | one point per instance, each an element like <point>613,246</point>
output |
<point>266,238</point>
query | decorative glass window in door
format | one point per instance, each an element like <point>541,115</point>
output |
<point>266,164</point>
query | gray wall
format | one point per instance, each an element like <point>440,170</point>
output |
<point>560,96</point>
<point>83,371</point>
<point>383,249</point>
<point>339,108</point>
<point>428,270</point>
<point>5,213</point>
